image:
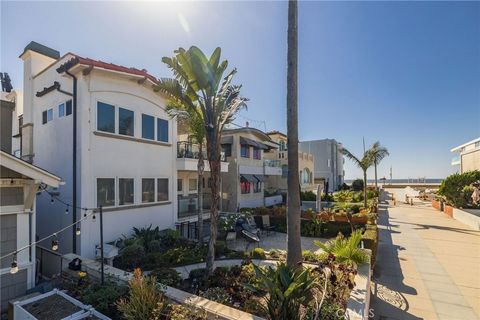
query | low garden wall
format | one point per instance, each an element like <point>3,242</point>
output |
<point>358,306</point>
<point>470,217</point>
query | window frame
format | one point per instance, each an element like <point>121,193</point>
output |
<point>114,192</point>
<point>114,117</point>
<point>247,148</point>
<point>61,110</point>
<point>158,131</point>
<point>179,185</point>
<point>189,185</point>
<point>154,190</point>
<point>245,186</point>
<point>68,107</point>
<point>118,114</point>
<point>144,115</point>
<point>118,191</point>
<point>257,153</point>
<point>257,187</point>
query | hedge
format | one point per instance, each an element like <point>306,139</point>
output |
<point>457,190</point>
<point>370,241</point>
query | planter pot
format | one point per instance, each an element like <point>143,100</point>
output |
<point>448,210</point>
<point>340,218</point>
<point>437,205</point>
<point>359,220</point>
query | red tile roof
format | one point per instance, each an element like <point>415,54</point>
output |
<point>115,67</point>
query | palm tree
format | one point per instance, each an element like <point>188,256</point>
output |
<point>364,163</point>
<point>294,247</point>
<point>197,131</point>
<point>198,86</point>
<point>379,153</point>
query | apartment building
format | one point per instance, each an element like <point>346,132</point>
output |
<point>244,185</point>
<point>328,162</point>
<point>467,156</point>
<point>103,129</point>
<point>305,164</point>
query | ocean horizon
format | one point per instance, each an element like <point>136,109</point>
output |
<point>407,180</point>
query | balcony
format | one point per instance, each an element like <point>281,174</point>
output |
<point>187,205</point>
<point>187,157</point>
<point>456,160</point>
<point>272,167</point>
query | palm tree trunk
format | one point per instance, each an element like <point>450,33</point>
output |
<point>200,169</point>
<point>213,154</point>
<point>294,248</point>
<point>375,164</point>
<point>365,188</point>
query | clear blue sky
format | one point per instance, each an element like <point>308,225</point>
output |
<point>404,73</point>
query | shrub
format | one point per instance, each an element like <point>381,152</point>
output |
<point>308,196</point>
<point>217,294</point>
<point>310,256</point>
<point>372,194</point>
<point>155,246</point>
<point>357,196</point>
<point>345,250</point>
<point>184,255</point>
<point>145,299</point>
<point>370,241</point>
<point>184,312</point>
<point>343,196</point>
<point>254,306</point>
<point>258,253</point>
<point>132,256</point>
<point>167,276</point>
<point>104,297</point>
<point>357,185</point>
<point>196,275</point>
<point>274,254</point>
<point>454,190</point>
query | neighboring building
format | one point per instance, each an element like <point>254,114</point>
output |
<point>468,156</point>
<point>19,185</point>
<point>305,164</point>
<point>187,179</point>
<point>125,154</point>
<point>328,162</point>
<point>11,107</point>
<point>244,184</point>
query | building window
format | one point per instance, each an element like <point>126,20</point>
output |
<point>227,150</point>
<point>61,110</point>
<point>192,184</point>
<point>105,192</point>
<point>126,122</point>
<point>68,107</point>
<point>148,190</point>
<point>162,189</point>
<point>162,130</point>
<point>257,153</point>
<point>44,117</point>
<point>245,151</point>
<point>284,171</point>
<point>179,185</point>
<point>148,127</point>
<point>105,117</point>
<point>257,187</point>
<point>328,163</point>
<point>209,183</point>
<point>125,191</point>
<point>47,116</point>
<point>244,186</point>
<point>283,145</point>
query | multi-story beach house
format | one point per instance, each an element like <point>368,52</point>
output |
<point>328,162</point>
<point>244,185</point>
<point>305,164</point>
<point>467,156</point>
<point>104,130</point>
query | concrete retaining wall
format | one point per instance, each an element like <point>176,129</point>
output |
<point>358,306</point>
<point>468,218</point>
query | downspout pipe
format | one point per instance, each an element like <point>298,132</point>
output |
<point>74,162</point>
<point>64,68</point>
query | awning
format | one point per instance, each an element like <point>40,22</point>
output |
<point>253,143</point>
<point>260,178</point>
<point>249,177</point>
<point>227,140</point>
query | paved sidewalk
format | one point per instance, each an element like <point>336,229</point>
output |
<point>428,266</point>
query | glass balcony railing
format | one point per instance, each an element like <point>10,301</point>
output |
<point>271,163</point>
<point>456,160</point>
<point>190,150</point>
<point>187,205</point>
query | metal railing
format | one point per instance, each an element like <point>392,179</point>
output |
<point>187,205</point>
<point>189,150</point>
<point>271,163</point>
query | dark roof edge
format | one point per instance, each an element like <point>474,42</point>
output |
<point>40,48</point>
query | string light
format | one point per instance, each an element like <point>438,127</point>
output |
<point>77,231</point>
<point>93,217</point>
<point>51,200</point>
<point>66,210</point>
<point>14,265</point>
<point>55,243</point>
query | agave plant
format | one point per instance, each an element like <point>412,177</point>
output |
<point>345,250</point>
<point>285,290</point>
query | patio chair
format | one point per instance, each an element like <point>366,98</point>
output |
<point>251,238</point>
<point>266,227</point>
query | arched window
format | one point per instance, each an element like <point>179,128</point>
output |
<point>306,177</point>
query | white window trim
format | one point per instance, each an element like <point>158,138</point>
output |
<point>169,189</point>
<point>114,191</point>
<point>115,117</point>
<point>117,194</point>
<point>154,190</point>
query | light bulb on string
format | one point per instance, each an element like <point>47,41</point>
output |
<point>55,243</point>
<point>51,200</point>
<point>78,231</point>
<point>14,265</point>
<point>66,210</point>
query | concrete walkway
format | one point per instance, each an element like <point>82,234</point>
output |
<point>428,266</point>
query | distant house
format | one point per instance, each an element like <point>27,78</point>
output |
<point>467,156</point>
<point>19,184</point>
<point>104,130</point>
<point>244,185</point>
<point>328,162</point>
<point>305,164</point>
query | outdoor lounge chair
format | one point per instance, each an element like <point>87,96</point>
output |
<point>266,227</point>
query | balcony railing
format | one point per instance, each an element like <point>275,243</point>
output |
<point>456,160</point>
<point>187,205</point>
<point>271,163</point>
<point>190,150</point>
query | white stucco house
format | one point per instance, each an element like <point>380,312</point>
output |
<point>103,129</point>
